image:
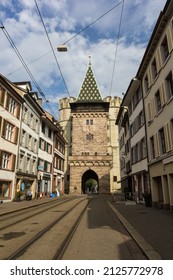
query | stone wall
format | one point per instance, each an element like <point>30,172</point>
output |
<point>76,173</point>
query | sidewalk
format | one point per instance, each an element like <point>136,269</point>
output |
<point>154,226</point>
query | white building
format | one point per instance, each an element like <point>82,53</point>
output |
<point>58,161</point>
<point>135,141</point>
<point>50,156</point>
<point>26,170</point>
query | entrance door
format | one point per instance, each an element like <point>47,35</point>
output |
<point>90,183</point>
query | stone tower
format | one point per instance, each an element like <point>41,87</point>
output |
<point>92,136</point>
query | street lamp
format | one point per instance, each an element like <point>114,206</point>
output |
<point>62,48</point>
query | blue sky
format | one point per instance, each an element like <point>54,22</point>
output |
<point>63,19</point>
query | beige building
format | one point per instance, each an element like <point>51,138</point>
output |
<point>156,75</point>
<point>92,137</point>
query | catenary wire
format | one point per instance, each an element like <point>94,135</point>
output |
<point>59,68</point>
<point>7,35</point>
<point>73,35</point>
<point>38,10</point>
<point>122,2</point>
<point>116,49</point>
<point>92,22</point>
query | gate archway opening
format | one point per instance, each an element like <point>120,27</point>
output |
<point>90,182</point>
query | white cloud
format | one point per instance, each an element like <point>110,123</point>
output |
<point>63,20</point>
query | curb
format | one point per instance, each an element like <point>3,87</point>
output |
<point>147,249</point>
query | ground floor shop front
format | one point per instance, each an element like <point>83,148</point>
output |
<point>161,174</point>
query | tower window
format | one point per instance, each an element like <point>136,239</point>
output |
<point>89,136</point>
<point>89,122</point>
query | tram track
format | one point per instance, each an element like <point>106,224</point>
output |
<point>22,251</point>
<point>60,252</point>
<point>77,231</point>
<point>37,208</point>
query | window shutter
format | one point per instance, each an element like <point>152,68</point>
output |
<point>16,132</point>
<point>18,111</point>
<point>1,153</point>
<point>156,144</point>
<point>32,144</point>
<point>149,149</point>
<point>159,58</point>
<point>45,146</point>
<point>167,133</point>
<point>2,95</point>
<point>158,61</point>
<point>153,108</point>
<point>0,124</point>
<point>26,140</point>
<point>169,38</point>
<point>149,112</point>
<point>162,94</point>
<point>149,77</point>
<point>3,128</point>
<point>13,162</point>
<point>45,165</point>
<point>24,164</point>
<point>7,102</point>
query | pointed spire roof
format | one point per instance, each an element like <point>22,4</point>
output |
<point>89,91</point>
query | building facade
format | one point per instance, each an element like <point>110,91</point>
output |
<point>150,117</point>
<point>26,169</point>
<point>92,139</point>
<point>32,145</point>
<point>10,119</point>
<point>58,161</point>
<point>156,75</point>
<point>134,159</point>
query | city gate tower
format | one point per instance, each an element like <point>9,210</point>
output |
<point>92,152</point>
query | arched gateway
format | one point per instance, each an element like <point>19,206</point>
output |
<point>90,182</point>
<point>92,139</point>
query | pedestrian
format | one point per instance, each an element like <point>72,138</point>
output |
<point>29,194</point>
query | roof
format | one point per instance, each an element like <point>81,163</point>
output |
<point>89,91</point>
<point>18,90</point>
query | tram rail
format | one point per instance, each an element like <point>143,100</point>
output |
<point>18,253</point>
<point>37,208</point>
<point>55,239</point>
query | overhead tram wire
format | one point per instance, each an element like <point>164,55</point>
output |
<point>74,35</point>
<point>35,59</point>
<point>84,141</point>
<point>59,68</point>
<point>115,6</point>
<point>116,49</point>
<point>7,35</point>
